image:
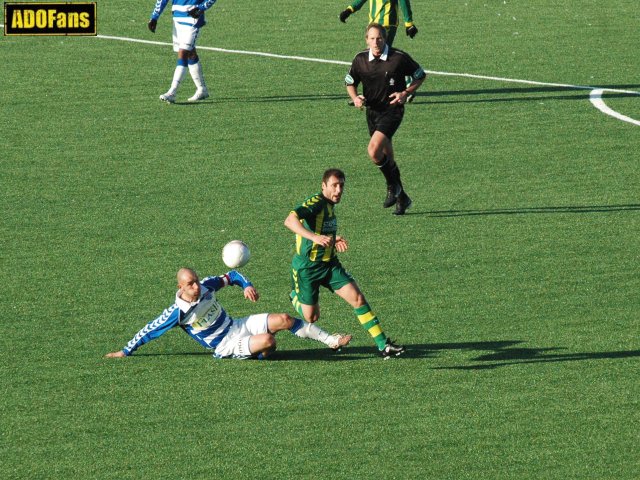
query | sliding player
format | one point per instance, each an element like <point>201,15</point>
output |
<point>198,312</point>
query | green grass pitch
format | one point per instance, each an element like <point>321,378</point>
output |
<point>513,280</point>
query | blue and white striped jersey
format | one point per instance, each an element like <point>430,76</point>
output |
<point>205,320</point>
<point>179,8</point>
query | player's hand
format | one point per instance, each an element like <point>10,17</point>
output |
<point>344,15</point>
<point>152,25</point>
<point>323,240</point>
<point>412,31</point>
<point>398,98</point>
<point>195,12</point>
<point>250,293</point>
<point>118,354</point>
<point>360,102</point>
<point>341,245</point>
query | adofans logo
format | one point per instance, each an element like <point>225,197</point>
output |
<point>50,19</point>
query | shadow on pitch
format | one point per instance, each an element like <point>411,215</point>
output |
<point>284,98</point>
<point>425,97</point>
<point>528,210</point>
<point>524,94</point>
<point>498,354</point>
<point>519,356</point>
<point>361,353</point>
<point>413,351</point>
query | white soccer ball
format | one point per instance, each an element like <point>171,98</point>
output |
<point>235,254</point>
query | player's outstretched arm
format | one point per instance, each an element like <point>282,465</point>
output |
<point>152,330</point>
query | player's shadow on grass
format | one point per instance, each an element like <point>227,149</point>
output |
<point>173,354</point>
<point>199,103</point>
<point>413,351</point>
<point>268,99</point>
<point>285,98</point>
<point>528,210</point>
<point>500,353</point>
<point>524,94</point>
<point>520,356</point>
<point>427,97</point>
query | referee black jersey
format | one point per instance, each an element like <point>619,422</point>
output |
<point>382,76</point>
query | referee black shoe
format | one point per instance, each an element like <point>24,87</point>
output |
<point>393,191</point>
<point>403,204</point>
<point>391,350</point>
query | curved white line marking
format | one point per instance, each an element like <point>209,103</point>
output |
<point>596,99</point>
<point>595,96</point>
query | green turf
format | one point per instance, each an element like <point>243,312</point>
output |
<point>513,281</point>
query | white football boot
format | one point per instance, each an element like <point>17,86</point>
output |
<point>199,95</point>
<point>168,97</point>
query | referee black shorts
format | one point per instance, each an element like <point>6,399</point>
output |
<point>386,121</point>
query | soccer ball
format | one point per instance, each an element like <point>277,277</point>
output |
<point>235,254</point>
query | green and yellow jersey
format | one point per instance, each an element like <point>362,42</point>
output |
<point>385,12</point>
<point>316,214</point>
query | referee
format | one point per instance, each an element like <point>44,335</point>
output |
<point>382,71</point>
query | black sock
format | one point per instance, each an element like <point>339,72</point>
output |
<point>390,170</point>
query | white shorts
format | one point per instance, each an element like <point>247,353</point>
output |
<point>184,34</point>
<point>236,343</point>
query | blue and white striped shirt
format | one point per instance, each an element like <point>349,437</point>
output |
<point>179,8</point>
<point>205,320</point>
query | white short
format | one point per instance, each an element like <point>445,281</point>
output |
<point>236,343</point>
<point>184,34</point>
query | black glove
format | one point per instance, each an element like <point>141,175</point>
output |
<point>344,15</point>
<point>412,31</point>
<point>195,12</point>
<point>152,25</point>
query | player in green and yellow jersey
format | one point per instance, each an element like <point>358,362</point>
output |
<point>316,263</point>
<point>385,13</point>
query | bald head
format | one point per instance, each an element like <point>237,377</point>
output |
<point>186,274</point>
<point>188,284</point>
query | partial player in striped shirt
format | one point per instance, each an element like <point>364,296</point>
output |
<point>198,312</point>
<point>316,263</point>
<point>385,13</point>
<point>188,19</point>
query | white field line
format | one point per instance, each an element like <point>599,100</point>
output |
<point>596,99</point>
<point>226,50</point>
<point>595,96</point>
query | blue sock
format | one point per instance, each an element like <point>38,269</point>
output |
<point>297,325</point>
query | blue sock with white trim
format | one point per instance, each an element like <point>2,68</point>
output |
<point>297,325</point>
<point>304,329</point>
<point>195,69</point>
